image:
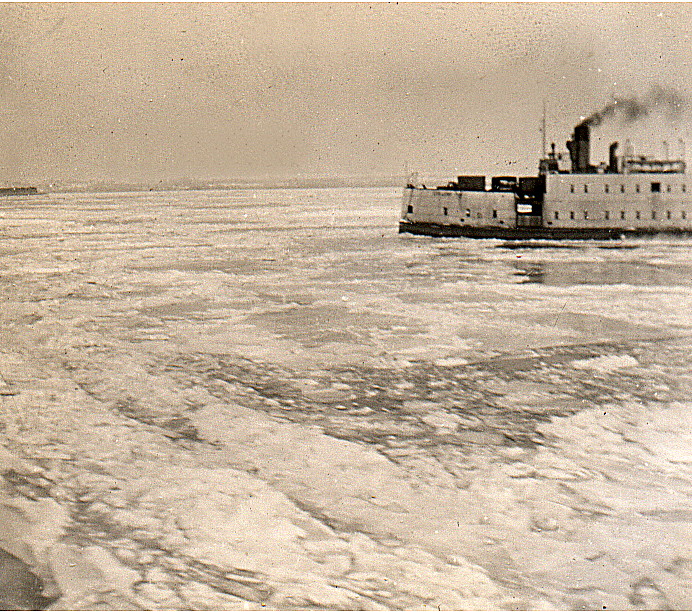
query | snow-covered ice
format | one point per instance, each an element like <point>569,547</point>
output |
<point>270,399</point>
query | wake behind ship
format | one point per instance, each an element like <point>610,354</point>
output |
<point>627,196</point>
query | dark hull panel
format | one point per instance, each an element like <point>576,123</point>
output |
<point>527,233</point>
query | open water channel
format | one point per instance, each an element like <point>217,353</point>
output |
<point>270,398</point>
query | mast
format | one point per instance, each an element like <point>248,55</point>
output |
<point>543,133</point>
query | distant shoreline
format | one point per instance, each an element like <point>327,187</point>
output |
<point>298,183</point>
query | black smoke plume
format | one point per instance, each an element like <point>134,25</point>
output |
<point>659,99</point>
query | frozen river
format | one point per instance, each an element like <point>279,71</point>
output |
<point>270,398</point>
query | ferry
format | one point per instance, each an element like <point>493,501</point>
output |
<point>18,191</point>
<point>629,195</point>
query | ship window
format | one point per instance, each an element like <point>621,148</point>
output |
<point>557,214</point>
<point>444,211</point>
<point>636,188</point>
<point>494,214</point>
<point>637,215</point>
<point>571,188</point>
<point>586,189</point>
<point>571,214</point>
<point>683,214</point>
<point>622,189</point>
<point>410,208</point>
<point>668,214</point>
<point>622,214</point>
<point>668,189</point>
<point>468,212</point>
<point>607,214</point>
<point>653,214</point>
<point>479,215</point>
<point>607,188</point>
<point>683,188</point>
<point>655,187</point>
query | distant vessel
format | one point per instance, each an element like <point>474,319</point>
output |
<point>17,191</point>
<point>627,196</point>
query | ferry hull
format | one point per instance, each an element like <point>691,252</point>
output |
<point>527,233</point>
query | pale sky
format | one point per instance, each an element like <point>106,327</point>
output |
<point>149,92</point>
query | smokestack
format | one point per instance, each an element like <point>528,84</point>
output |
<point>612,158</point>
<point>579,148</point>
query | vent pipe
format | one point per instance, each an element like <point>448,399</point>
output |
<point>629,149</point>
<point>612,158</point>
